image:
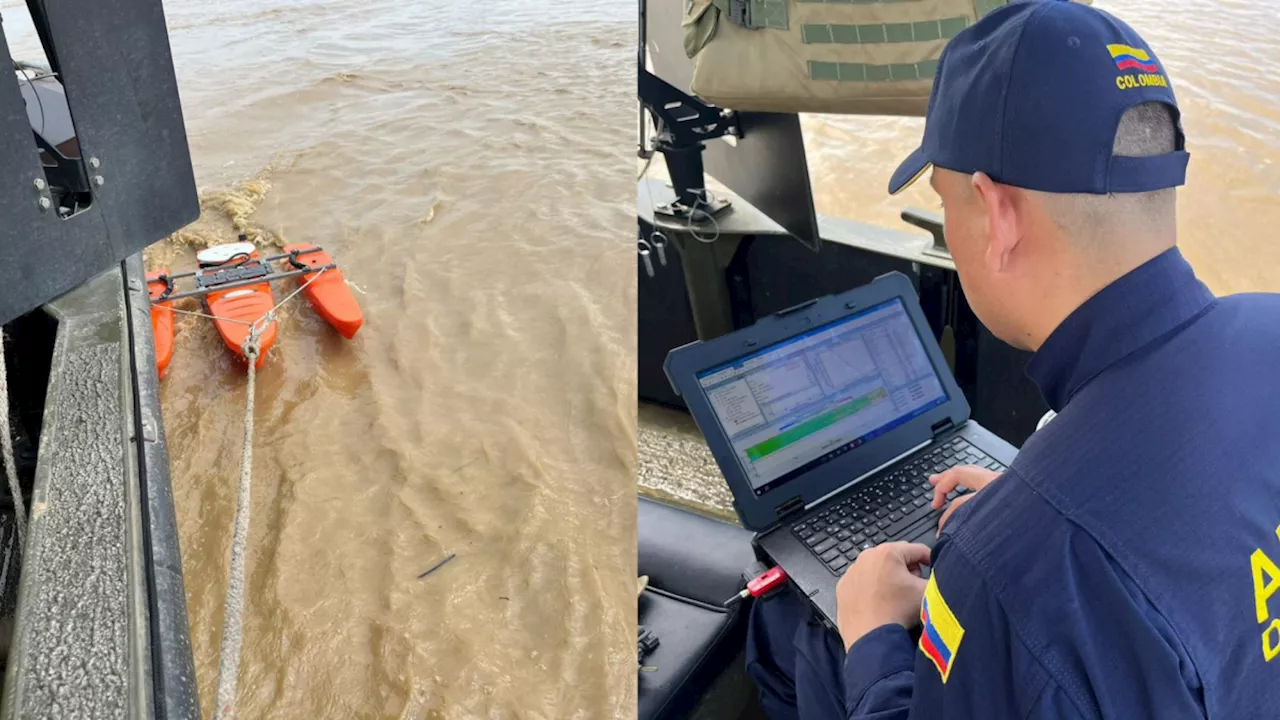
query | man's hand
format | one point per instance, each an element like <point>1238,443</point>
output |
<point>974,478</point>
<point>883,586</point>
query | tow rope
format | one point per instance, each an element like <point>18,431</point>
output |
<point>232,616</point>
<point>233,607</point>
<point>6,448</point>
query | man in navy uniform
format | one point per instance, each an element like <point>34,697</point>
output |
<point>1125,566</point>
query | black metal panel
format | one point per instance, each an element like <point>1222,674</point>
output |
<point>767,167</point>
<point>785,274</point>
<point>36,262</point>
<point>118,74</point>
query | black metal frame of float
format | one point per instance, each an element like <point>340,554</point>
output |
<point>243,273</point>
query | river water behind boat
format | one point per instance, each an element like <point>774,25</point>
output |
<point>1230,103</point>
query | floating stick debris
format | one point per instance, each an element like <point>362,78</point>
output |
<point>437,566</point>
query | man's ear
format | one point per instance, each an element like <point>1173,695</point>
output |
<point>1003,233</point>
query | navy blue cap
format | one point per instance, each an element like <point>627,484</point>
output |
<point>1031,95</point>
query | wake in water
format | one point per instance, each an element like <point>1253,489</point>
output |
<point>224,216</point>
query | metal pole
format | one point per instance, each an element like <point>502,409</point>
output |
<point>273,258</point>
<point>640,64</point>
<point>250,281</point>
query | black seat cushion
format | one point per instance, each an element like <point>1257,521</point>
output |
<point>694,564</point>
<point>690,555</point>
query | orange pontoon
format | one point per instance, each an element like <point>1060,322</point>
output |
<point>161,318</point>
<point>328,294</point>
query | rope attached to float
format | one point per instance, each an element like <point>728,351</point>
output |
<point>233,608</point>
<point>232,619</point>
<point>6,449</point>
<point>197,313</point>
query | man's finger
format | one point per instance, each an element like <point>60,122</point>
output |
<point>946,514</point>
<point>946,482</point>
<point>974,478</point>
<point>939,496</point>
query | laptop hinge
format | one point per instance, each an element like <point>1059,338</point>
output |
<point>789,508</point>
<point>942,427</point>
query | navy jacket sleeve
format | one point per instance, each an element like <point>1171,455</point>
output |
<point>1071,656</point>
<point>880,677</point>
<point>989,672</point>
<point>879,673</point>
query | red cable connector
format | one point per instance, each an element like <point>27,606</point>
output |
<point>762,584</point>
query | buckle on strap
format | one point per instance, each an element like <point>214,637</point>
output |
<point>755,14</point>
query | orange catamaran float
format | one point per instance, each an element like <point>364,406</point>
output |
<point>235,284</point>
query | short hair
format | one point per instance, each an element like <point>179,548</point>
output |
<point>1144,130</point>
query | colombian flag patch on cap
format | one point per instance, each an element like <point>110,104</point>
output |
<point>940,640</point>
<point>1128,58</point>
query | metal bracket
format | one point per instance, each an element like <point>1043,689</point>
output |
<point>685,121</point>
<point>931,222</point>
<point>706,205</point>
<point>684,124</point>
<point>246,272</point>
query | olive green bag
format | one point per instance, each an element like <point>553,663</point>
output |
<point>864,57</point>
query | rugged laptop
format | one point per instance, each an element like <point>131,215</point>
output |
<point>826,420</point>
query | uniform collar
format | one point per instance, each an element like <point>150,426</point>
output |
<point>1120,319</point>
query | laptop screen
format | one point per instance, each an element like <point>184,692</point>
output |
<point>799,403</point>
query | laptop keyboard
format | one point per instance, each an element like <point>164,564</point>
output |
<point>892,506</point>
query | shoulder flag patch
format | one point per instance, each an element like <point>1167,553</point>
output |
<point>940,639</point>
